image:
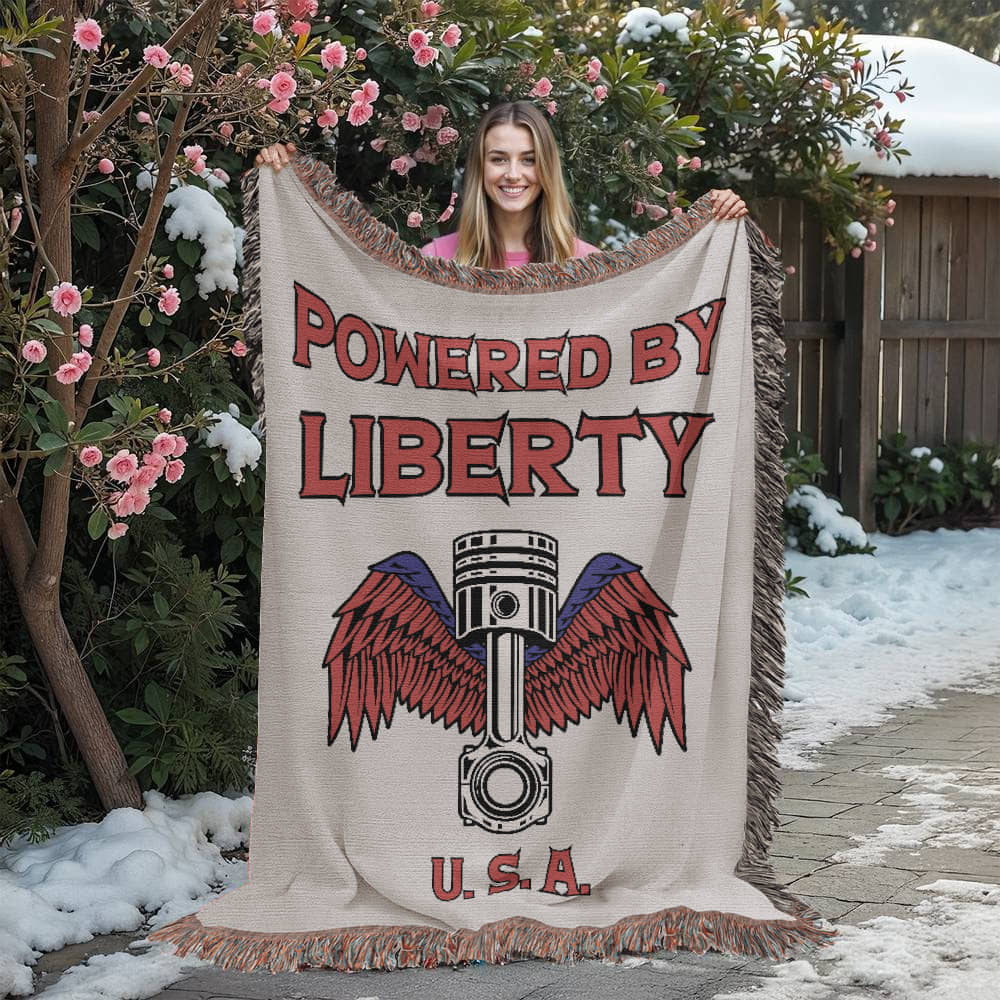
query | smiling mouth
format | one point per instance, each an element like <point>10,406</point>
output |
<point>513,192</point>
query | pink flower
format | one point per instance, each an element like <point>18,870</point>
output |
<point>282,85</point>
<point>446,135</point>
<point>890,222</point>
<point>681,160</point>
<point>143,118</point>
<point>182,75</point>
<point>156,55</point>
<point>168,270</point>
<point>891,205</point>
<point>174,471</point>
<point>122,465</point>
<point>654,168</point>
<point>105,166</point>
<point>361,54</point>
<point>82,360</point>
<point>790,269</point>
<point>695,162</point>
<point>301,8</point>
<point>661,87</point>
<point>656,211</point>
<point>198,167</point>
<point>279,105</point>
<point>857,66</point>
<point>125,504</point>
<point>551,107</point>
<point>15,219</point>
<point>638,208</point>
<point>425,56</point>
<point>299,27</point>
<point>430,9</point>
<point>542,87</point>
<point>403,164</point>
<point>264,22</point>
<point>855,251</point>
<point>163,444</point>
<point>359,112</point>
<point>424,154</point>
<point>169,301</point>
<point>117,530</point>
<point>328,118</point>
<point>90,455</point>
<point>677,210</point>
<point>378,143</point>
<point>879,104</point>
<point>65,298</point>
<point>452,36</point>
<point>414,219</point>
<point>239,349</point>
<point>446,214</point>
<point>87,34</point>
<point>34,351</point>
<point>870,245</point>
<point>145,477</point>
<point>593,69</point>
<point>86,335</point>
<point>158,462</point>
<point>901,96</point>
<point>226,130</point>
<point>411,121</point>
<point>91,116</point>
<point>153,357</point>
<point>827,84</point>
<point>180,445</point>
<point>600,93</point>
<point>434,116</point>
<point>164,416</point>
<point>872,229</point>
<point>69,373</point>
<point>417,39</point>
<point>333,55</point>
<point>370,90</point>
<point>193,153</point>
<point>221,174</point>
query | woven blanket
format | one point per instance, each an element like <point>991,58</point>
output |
<point>521,630</point>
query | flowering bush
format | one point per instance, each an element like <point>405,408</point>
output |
<point>953,485</point>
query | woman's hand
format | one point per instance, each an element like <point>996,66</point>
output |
<point>727,204</point>
<point>275,156</point>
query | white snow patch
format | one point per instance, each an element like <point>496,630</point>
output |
<point>885,630</point>
<point>198,215</point>
<point>826,514</point>
<point>241,445</point>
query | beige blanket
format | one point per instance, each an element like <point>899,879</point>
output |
<point>521,627</point>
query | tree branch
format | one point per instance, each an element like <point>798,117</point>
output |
<point>75,147</point>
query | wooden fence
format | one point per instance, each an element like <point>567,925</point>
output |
<point>906,337</point>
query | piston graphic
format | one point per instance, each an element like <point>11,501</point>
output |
<point>506,598</point>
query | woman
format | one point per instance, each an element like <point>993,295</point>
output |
<point>515,205</point>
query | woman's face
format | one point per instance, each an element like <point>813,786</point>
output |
<point>509,174</point>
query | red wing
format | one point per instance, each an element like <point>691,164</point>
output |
<point>621,646</point>
<point>391,645</point>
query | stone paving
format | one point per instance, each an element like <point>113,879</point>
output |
<point>820,809</point>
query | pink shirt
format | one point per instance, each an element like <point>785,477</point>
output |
<point>444,246</point>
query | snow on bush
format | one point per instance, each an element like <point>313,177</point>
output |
<point>241,444</point>
<point>197,215</point>
<point>819,524</point>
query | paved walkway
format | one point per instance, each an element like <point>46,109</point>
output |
<point>819,812</point>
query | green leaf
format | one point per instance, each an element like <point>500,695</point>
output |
<point>161,513</point>
<point>85,231</point>
<point>97,523</point>
<point>225,526</point>
<point>162,609</point>
<point>49,442</point>
<point>139,763</point>
<point>160,773</point>
<point>206,493</point>
<point>56,415</point>
<point>43,323</point>
<point>892,509</point>
<point>189,251</point>
<point>465,52</point>
<point>94,431</point>
<point>157,700</point>
<point>145,317</point>
<point>232,548</point>
<point>54,462</point>
<point>136,717</point>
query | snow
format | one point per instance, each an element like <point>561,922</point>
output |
<point>877,631</point>
<point>240,444</point>
<point>884,630</point>
<point>101,878</point>
<point>198,215</point>
<point>826,514</point>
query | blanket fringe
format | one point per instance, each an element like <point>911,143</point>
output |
<point>351,949</point>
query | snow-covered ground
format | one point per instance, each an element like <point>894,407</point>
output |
<point>877,631</point>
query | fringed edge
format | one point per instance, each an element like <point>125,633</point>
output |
<point>767,642</point>
<point>253,330</point>
<point>350,949</point>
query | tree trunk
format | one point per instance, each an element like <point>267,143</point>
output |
<point>37,571</point>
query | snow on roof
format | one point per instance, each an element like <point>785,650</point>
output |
<point>952,121</point>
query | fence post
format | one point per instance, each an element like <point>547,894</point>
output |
<point>859,413</point>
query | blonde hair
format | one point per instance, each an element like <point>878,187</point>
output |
<point>552,234</point>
